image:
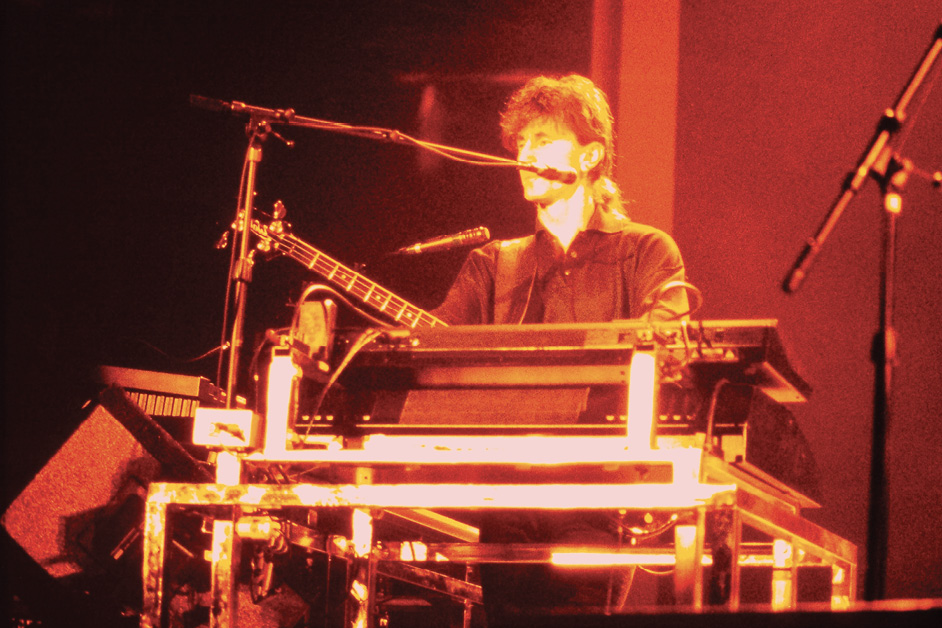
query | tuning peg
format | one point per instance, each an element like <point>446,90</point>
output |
<point>279,210</point>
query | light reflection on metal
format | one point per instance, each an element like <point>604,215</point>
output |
<point>438,522</point>
<point>602,559</point>
<point>614,559</point>
<point>541,496</point>
<point>221,531</point>
<point>359,593</point>
<point>228,468</point>
<point>451,450</point>
<point>752,554</point>
<point>893,203</point>
<point>416,551</point>
<point>339,543</point>
<point>229,428</point>
<point>782,575</point>
<point>225,552</point>
<point>358,590</point>
<point>457,588</point>
<point>155,517</point>
<point>362,537</point>
<point>838,575</point>
<point>686,535</point>
<point>840,602</point>
<point>688,550</point>
<point>281,377</point>
<point>256,528</point>
<point>841,588</point>
<point>642,387</point>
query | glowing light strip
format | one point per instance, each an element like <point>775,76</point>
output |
<point>641,387</point>
<point>362,537</point>
<point>516,450</point>
<point>281,374</point>
<point>616,559</point>
<point>598,559</point>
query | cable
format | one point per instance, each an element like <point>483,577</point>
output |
<point>670,285</point>
<point>364,339</point>
<point>316,287</point>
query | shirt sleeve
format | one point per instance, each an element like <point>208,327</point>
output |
<point>659,277</point>
<point>470,299</point>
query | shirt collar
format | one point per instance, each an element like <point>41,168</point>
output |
<point>603,219</point>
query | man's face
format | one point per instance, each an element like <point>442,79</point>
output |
<point>548,143</point>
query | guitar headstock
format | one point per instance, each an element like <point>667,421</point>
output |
<point>272,232</point>
<point>264,240</point>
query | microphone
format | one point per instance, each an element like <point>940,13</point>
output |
<point>236,107</point>
<point>471,237</point>
<point>564,176</point>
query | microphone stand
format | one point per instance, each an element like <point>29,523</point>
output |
<point>892,172</point>
<point>257,129</point>
<point>242,269</point>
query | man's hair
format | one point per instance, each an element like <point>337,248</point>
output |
<point>575,102</point>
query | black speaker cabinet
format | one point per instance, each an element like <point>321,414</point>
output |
<point>81,517</point>
<point>98,471</point>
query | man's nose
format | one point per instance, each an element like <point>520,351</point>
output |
<point>525,153</point>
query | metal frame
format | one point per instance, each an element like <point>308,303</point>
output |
<point>795,542</point>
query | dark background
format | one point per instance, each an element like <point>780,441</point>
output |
<point>116,190</point>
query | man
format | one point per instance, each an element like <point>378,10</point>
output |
<point>587,262</point>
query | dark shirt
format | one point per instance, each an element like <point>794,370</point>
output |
<point>612,270</point>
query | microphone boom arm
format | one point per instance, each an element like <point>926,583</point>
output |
<point>875,160</point>
<point>290,118</point>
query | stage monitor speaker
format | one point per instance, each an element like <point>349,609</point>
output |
<point>81,510</point>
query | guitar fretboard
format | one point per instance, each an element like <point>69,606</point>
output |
<point>370,293</point>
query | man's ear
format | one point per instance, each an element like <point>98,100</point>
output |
<point>592,155</point>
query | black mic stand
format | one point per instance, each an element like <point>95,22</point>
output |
<point>892,172</point>
<point>257,129</point>
<point>241,275</point>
